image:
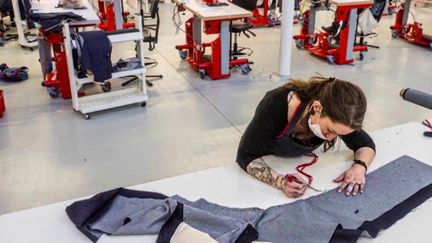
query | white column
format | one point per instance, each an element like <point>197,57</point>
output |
<point>286,37</point>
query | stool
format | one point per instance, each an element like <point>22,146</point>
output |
<point>2,104</point>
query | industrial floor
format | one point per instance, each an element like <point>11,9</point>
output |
<point>50,153</point>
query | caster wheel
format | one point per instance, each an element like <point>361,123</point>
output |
<point>53,92</point>
<point>299,44</point>
<point>394,34</point>
<point>106,87</point>
<point>361,56</point>
<point>245,68</point>
<point>182,54</point>
<point>43,84</point>
<point>150,84</point>
<point>430,46</point>
<point>202,73</point>
<point>313,40</point>
<point>330,60</point>
<point>144,104</point>
<point>2,42</point>
<point>87,116</point>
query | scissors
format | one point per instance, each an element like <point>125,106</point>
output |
<point>291,178</point>
<point>429,125</point>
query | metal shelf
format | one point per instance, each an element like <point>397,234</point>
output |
<point>115,98</point>
<point>132,36</point>
<point>133,72</point>
<point>104,101</point>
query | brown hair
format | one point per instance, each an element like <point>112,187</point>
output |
<point>342,101</point>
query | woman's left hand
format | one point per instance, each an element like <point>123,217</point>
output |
<point>352,181</point>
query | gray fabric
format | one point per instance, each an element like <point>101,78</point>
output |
<point>144,216</point>
<point>247,215</point>
<point>315,219</point>
<point>224,224</point>
<point>222,228</point>
<point>135,216</point>
<point>44,55</point>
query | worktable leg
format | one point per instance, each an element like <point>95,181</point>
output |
<point>406,12</point>
<point>351,34</point>
<point>196,30</point>
<point>118,14</point>
<point>311,25</point>
<point>225,48</point>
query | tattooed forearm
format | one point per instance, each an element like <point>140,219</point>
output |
<point>262,171</point>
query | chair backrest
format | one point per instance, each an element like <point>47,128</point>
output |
<point>246,4</point>
<point>154,8</point>
<point>154,14</point>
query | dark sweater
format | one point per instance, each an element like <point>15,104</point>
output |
<point>268,122</point>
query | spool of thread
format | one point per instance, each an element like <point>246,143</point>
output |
<point>417,97</point>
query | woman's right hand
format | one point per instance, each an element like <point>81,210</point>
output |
<point>294,188</point>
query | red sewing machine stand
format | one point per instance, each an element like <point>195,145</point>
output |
<point>320,43</point>
<point>410,32</point>
<point>113,17</point>
<point>2,104</point>
<point>57,79</point>
<point>260,20</point>
<point>217,64</point>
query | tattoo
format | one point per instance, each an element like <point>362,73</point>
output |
<point>263,172</point>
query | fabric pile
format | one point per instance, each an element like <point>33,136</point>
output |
<point>392,192</point>
<point>8,74</point>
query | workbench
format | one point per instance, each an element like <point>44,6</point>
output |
<point>50,6</point>
<point>230,186</point>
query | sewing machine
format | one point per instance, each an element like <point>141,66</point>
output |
<point>410,32</point>
<point>320,44</point>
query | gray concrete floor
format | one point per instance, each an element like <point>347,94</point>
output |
<point>49,153</point>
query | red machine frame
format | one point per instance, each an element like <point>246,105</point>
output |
<point>195,52</point>
<point>319,43</point>
<point>410,32</point>
<point>2,104</point>
<point>57,80</point>
<point>261,20</point>
<point>107,17</point>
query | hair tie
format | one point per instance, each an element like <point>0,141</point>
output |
<point>331,79</point>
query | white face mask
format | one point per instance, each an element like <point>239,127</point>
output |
<point>315,128</point>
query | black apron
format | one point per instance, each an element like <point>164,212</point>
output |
<point>284,145</point>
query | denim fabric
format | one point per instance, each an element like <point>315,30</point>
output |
<point>311,220</point>
<point>316,218</point>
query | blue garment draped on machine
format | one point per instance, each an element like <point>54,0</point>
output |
<point>94,53</point>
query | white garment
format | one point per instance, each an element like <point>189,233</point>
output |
<point>367,22</point>
<point>186,234</point>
